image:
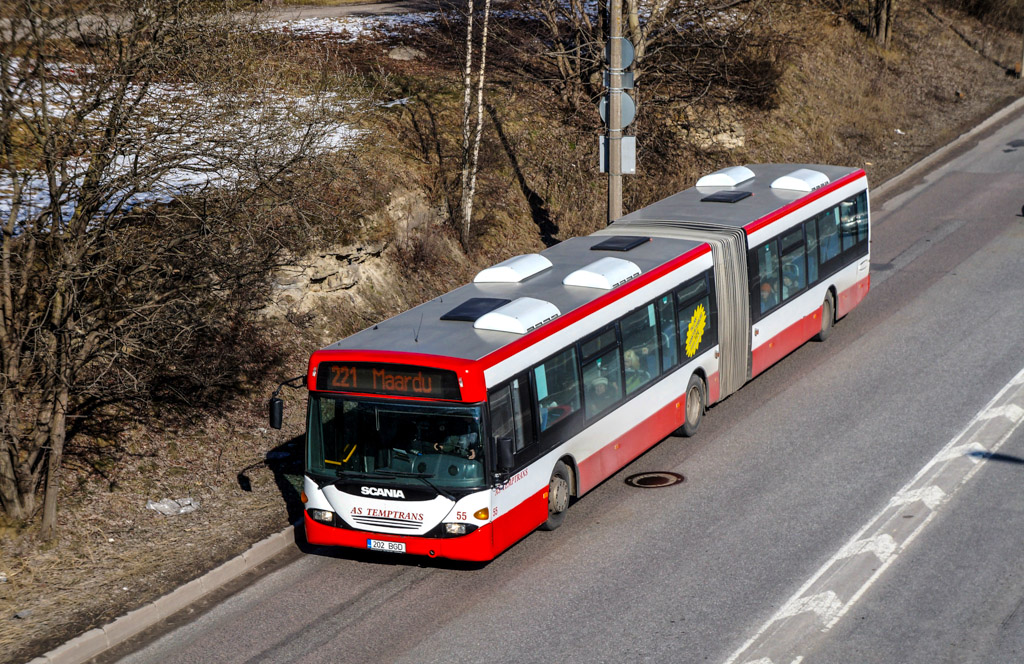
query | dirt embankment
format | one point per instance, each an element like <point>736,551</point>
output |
<point>839,99</point>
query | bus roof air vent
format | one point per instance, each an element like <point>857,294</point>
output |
<point>802,179</point>
<point>474,308</point>
<point>513,270</point>
<point>726,196</point>
<point>620,243</point>
<point>519,316</point>
<point>727,177</point>
<point>605,273</point>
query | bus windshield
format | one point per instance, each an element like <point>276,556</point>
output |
<point>395,440</point>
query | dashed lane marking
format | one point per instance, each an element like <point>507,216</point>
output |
<point>822,601</point>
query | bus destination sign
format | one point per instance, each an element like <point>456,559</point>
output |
<point>398,379</point>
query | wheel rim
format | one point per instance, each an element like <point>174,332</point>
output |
<point>692,405</point>
<point>559,492</point>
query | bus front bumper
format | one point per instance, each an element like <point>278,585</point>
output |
<point>476,546</point>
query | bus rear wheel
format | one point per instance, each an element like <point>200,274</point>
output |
<point>828,317</point>
<point>693,407</point>
<point>558,497</point>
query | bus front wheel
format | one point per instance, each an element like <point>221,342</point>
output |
<point>558,497</point>
<point>828,317</point>
<point>693,407</point>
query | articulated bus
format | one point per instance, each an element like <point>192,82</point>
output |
<point>460,426</point>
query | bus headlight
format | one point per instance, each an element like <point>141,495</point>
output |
<point>322,516</point>
<point>455,529</point>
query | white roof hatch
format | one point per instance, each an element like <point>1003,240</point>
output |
<point>519,316</point>
<point>802,179</point>
<point>605,273</point>
<point>513,270</point>
<point>727,177</point>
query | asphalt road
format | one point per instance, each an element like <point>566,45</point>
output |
<point>782,477</point>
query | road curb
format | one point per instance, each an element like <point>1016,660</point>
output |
<point>84,647</point>
<point>894,183</point>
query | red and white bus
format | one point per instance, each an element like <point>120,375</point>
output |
<point>458,427</point>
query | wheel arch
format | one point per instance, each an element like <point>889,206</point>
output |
<point>574,474</point>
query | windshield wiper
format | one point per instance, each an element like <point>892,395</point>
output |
<point>424,476</point>
<point>355,474</point>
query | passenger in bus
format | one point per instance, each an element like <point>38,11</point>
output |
<point>635,376</point>
<point>600,395</point>
<point>769,298</point>
<point>466,445</point>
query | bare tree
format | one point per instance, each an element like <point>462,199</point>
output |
<point>575,34</point>
<point>880,21</point>
<point>471,140</point>
<point>130,142</point>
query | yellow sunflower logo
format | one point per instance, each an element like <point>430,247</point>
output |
<point>696,330</point>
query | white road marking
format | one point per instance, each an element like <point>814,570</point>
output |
<point>1010,411</point>
<point>788,635</point>
<point>932,496</point>
<point>824,605</point>
<point>882,546</point>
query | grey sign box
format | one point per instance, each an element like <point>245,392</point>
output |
<point>627,80</point>
<point>628,154</point>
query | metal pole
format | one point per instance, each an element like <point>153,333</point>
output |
<point>1020,69</point>
<point>615,112</point>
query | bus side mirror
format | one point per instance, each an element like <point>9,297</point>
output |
<point>506,454</point>
<point>276,412</point>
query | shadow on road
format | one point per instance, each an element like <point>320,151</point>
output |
<point>995,456</point>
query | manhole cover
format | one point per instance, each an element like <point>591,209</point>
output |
<point>653,480</point>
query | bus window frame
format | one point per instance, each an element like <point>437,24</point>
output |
<point>566,426</point>
<point>530,451</point>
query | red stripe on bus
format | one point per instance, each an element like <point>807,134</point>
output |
<point>758,224</point>
<point>798,333</point>
<point>520,521</point>
<point>564,321</point>
<point>618,453</point>
<point>851,297</point>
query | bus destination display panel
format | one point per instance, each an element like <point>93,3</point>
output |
<point>396,379</point>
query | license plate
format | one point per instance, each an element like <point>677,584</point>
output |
<point>383,545</point>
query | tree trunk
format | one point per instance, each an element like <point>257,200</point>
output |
<point>467,201</point>
<point>880,21</point>
<point>463,224</point>
<point>58,434</point>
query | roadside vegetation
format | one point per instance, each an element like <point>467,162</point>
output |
<point>191,202</point>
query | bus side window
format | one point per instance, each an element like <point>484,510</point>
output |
<point>602,371</point>
<point>507,416</point>
<point>601,382</point>
<point>640,339</point>
<point>828,235</point>
<point>667,328</point>
<point>558,388</point>
<point>811,229</point>
<point>793,267</point>
<point>768,271</point>
<point>522,413</point>
<point>848,223</point>
<point>697,331</point>
<point>862,217</point>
